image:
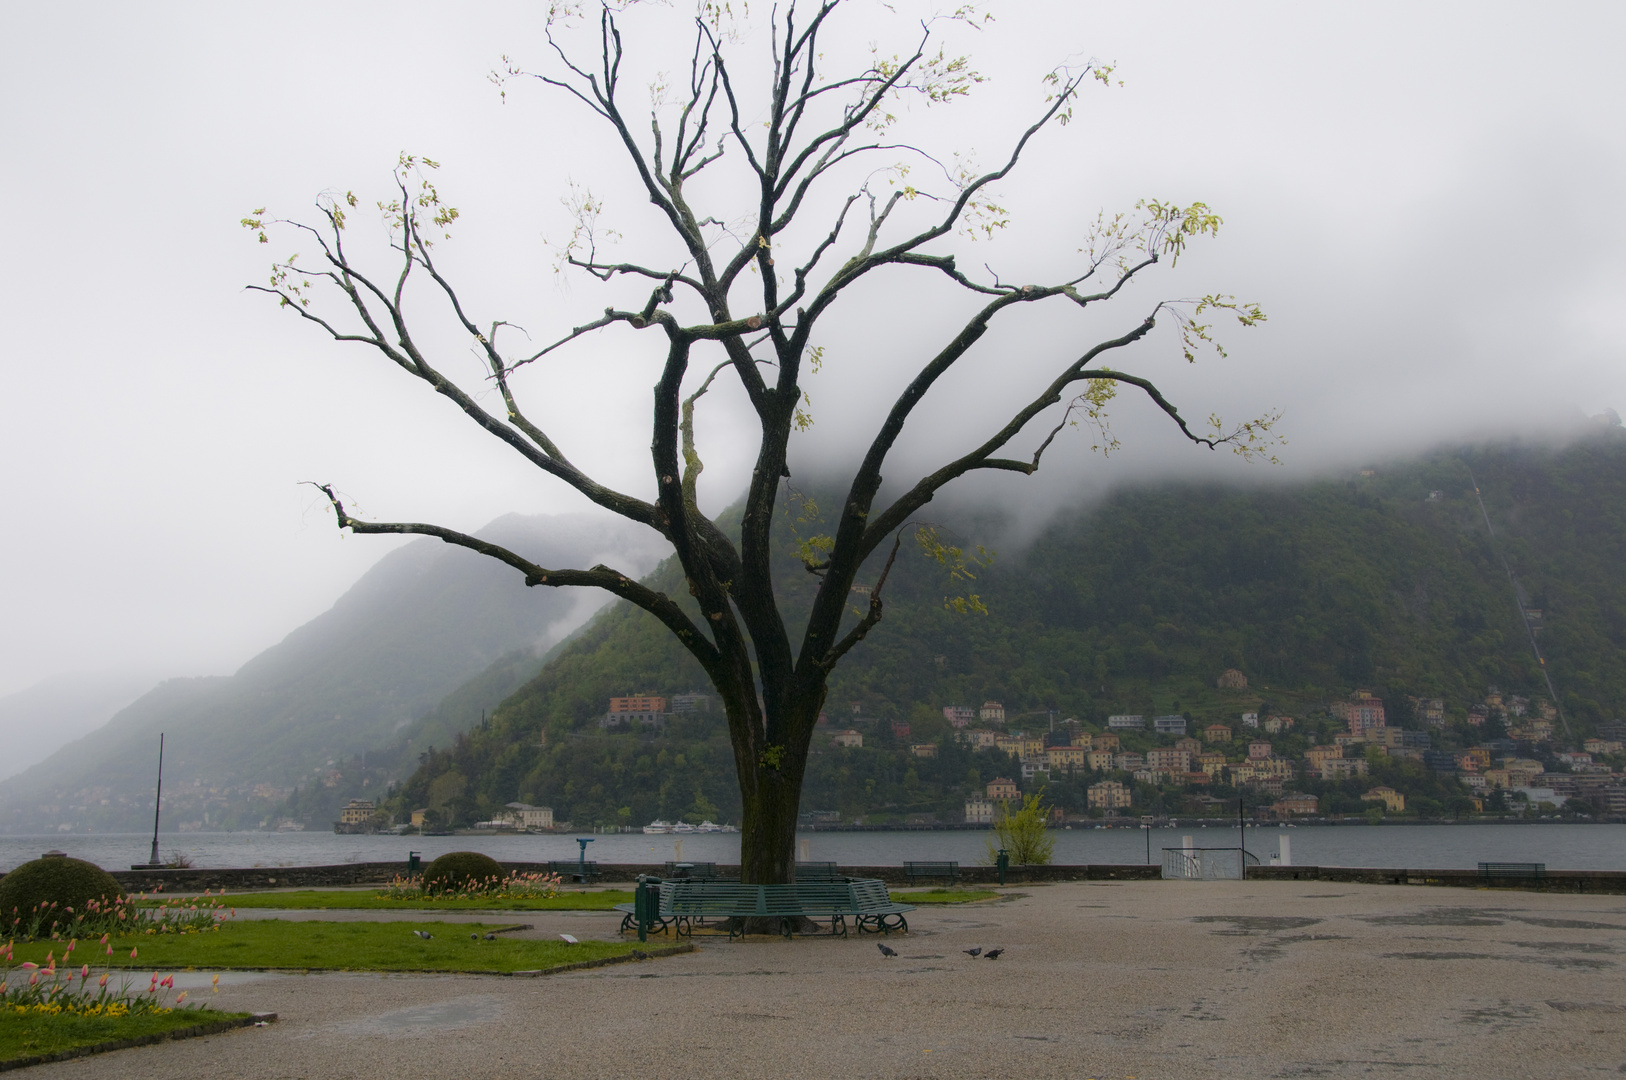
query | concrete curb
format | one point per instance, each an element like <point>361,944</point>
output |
<point>214,1028</point>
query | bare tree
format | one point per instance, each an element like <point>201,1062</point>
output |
<point>809,130</point>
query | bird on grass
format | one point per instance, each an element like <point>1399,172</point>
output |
<point>886,951</point>
<point>569,938</point>
<point>426,935</point>
<point>993,954</point>
<point>491,937</point>
<point>474,937</point>
<point>973,953</point>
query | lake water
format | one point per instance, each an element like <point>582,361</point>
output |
<point>1561,847</point>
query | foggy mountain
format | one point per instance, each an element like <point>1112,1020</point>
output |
<point>418,625</point>
<point>37,721</point>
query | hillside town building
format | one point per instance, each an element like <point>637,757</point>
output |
<point>1003,789</point>
<point>1108,795</point>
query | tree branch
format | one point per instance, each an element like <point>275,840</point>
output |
<point>600,577</point>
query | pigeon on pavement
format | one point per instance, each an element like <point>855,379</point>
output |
<point>885,950</point>
<point>426,935</point>
<point>973,953</point>
<point>993,954</point>
<point>636,955</point>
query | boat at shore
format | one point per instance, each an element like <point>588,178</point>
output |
<point>658,828</point>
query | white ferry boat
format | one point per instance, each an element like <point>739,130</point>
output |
<point>683,827</point>
<point>657,828</point>
<point>708,826</point>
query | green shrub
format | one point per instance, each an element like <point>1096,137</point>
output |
<point>70,884</point>
<point>1023,834</point>
<point>463,871</point>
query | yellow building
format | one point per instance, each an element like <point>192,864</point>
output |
<point>1217,733</point>
<point>1392,800</point>
<point>357,812</point>
<point>1002,789</point>
<point>1108,795</point>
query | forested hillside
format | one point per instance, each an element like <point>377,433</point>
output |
<point>1384,579</point>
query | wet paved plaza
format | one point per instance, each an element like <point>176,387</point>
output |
<point>1138,979</point>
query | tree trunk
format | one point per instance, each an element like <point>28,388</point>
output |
<point>768,831</point>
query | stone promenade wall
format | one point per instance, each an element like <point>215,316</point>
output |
<point>1570,881</point>
<point>236,879</point>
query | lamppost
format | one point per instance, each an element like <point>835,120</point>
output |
<point>152,860</point>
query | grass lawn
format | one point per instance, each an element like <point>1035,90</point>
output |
<point>335,946</point>
<point>944,896</point>
<point>31,1034</point>
<point>368,900</point>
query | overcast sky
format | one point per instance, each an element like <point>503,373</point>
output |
<point>1424,198</point>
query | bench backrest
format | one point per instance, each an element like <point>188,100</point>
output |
<point>816,871</point>
<point>1510,869</point>
<point>932,867</point>
<point>704,897</point>
<point>561,866</point>
<point>695,872</point>
<point>869,893</point>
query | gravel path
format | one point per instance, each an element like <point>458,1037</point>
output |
<point>1099,980</point>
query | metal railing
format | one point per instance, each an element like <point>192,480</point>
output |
<point>1206,863</point>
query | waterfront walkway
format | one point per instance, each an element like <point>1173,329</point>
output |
<point>1099,979</point>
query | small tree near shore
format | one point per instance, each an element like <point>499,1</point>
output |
<point>742,300</point>
<point>1023,834</point>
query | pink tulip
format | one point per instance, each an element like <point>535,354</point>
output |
<point>102,981</point>
<point>180,997</point>
<point>84,973</point>
<point>29,966</point>
<point>34,979</point>
<point>104,940</point>
<point>132,954</point>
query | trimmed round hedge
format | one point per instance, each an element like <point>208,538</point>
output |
<point>460,870</point>
<point>68,882</point>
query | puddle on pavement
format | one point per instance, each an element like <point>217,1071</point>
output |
<point>1566,924</point>
<point>1257,924</point>
<point>1443,916</point>
<point>1561,962</point>
<point>450,1015</point>
<point>1586,1006</point>
<point>1499,1015</point>
<point>1566,946</point>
